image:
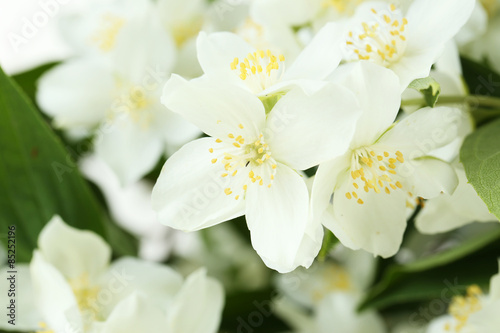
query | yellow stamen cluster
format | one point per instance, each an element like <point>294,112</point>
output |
<point>334,278</point>
<point>246,155</point>
<point>105,38</point>
<point>382,40</point>
<point>463,306</point>
<point>255,63</point>
<point>85,294</point>
<point>373,171</point>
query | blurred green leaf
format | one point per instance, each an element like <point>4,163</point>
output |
<point>480,154</point>
<point>480,79</point>
<point>425,278</point>
<point>39,179</point>
<point>429,88</point>
<point>329,241</point>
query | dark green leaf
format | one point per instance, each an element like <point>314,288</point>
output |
<point>39,179</point>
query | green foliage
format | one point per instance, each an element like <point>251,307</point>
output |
<point>429,88</point>
<point>39,179</point>
<point>480,155</point>
<point>426,278</point>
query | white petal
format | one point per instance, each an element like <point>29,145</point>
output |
<point>378,91</point>
<point>189,194</point>
<point>217,51</point>
<point>136,314</point>
<point>28,317</point>
<point>376,226</point>
<point>304,131</point>
<point>198,306</point>
<point>129,148</point>
<point>339,310</point>
<point>54,298</point>
<point>495,285</point>
<point>442,20</point>
<point>72,251</point>
<point>423,131</point>
<point>158,282</point>
<point>77,93</point>
<point>277,218</point>
<point>415,65</point>
<point>320,57</point>
<point>218,108</point>
<point>448,212</point>
<point>432,176</point>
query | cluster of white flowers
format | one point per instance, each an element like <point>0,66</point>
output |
<point>297,114</point>
<point>71,286</point>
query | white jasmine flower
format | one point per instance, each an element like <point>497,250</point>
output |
<point>362,196</point>
<point>226,57</point>
<point>74,288</point>
<point>324,298</point>
<point>117,97</point>
<point>248,165</point>
<point>474,312</point>
<point>406,42</point>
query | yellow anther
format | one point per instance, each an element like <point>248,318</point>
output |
<point>393,7</point>
<point>228,191</point>
<point>224,175</point>
<point>211,150</point>
<point>240,126</point>
<point>237,145</point>
<point>230,135</point>
<point>398,184</point>
<point>245,187</point>
<point>355,185</point>
<point>274,166</point>
<point>237,197</point>
<point>386,154</point>
<point>218,140</point>
<point>387,190</point>
<point>354,194</point>
<point>360,201</point>
<point>348,195</point>
<point>214,160</point>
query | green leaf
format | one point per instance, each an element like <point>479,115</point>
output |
<point>329,241</point>
<point>480,154</point>
<point>38,179</point>
<point>480,79</point>
<point>429,88</point>
<point>423,279</point>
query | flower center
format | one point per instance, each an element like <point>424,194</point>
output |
<point>259,70</point>
<point>463,306</point>
<point>132,100</point>
<point>86,295</point>
<point>374,170</point>
<point>381,40</point>
<point>105,37</point>
<point>186,29</point>
<point>43,328</point>
<point>253,157</point>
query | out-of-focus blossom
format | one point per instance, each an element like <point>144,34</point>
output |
<point>331,292</point>
<point>71,286</point>
<point>474,312</point>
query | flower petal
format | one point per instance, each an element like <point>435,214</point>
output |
<point>218,108</point>
<point>129,149</point>
<point>432,176</point>
<point>200,297</point>
<point>379,97</point>
<point>423,131</point>
<point>277,218</point>
<point>304,131</point>
<point>189,193</point>
<point>25,300</point>
<point>53,296</point>
<point>136,314</point>
<point>72,251</point>
<point>64,93</point>
<point>217,51</point>
<point>376,226</point>
<point>320,57</point>
<point>442,20</point>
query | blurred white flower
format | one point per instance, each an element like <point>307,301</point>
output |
<point>474,312</point>
<point>362,196</point>
<point>249,167</point>
<point>406,42</point>
<point>74,288</point>
<point>331,291</point>
<point>115,91</point>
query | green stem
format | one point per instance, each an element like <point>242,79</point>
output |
<point>472,100</point>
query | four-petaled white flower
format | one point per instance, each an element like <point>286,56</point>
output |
<point>362,196</point>
<point>407,43</point>
<point>249,164</point>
